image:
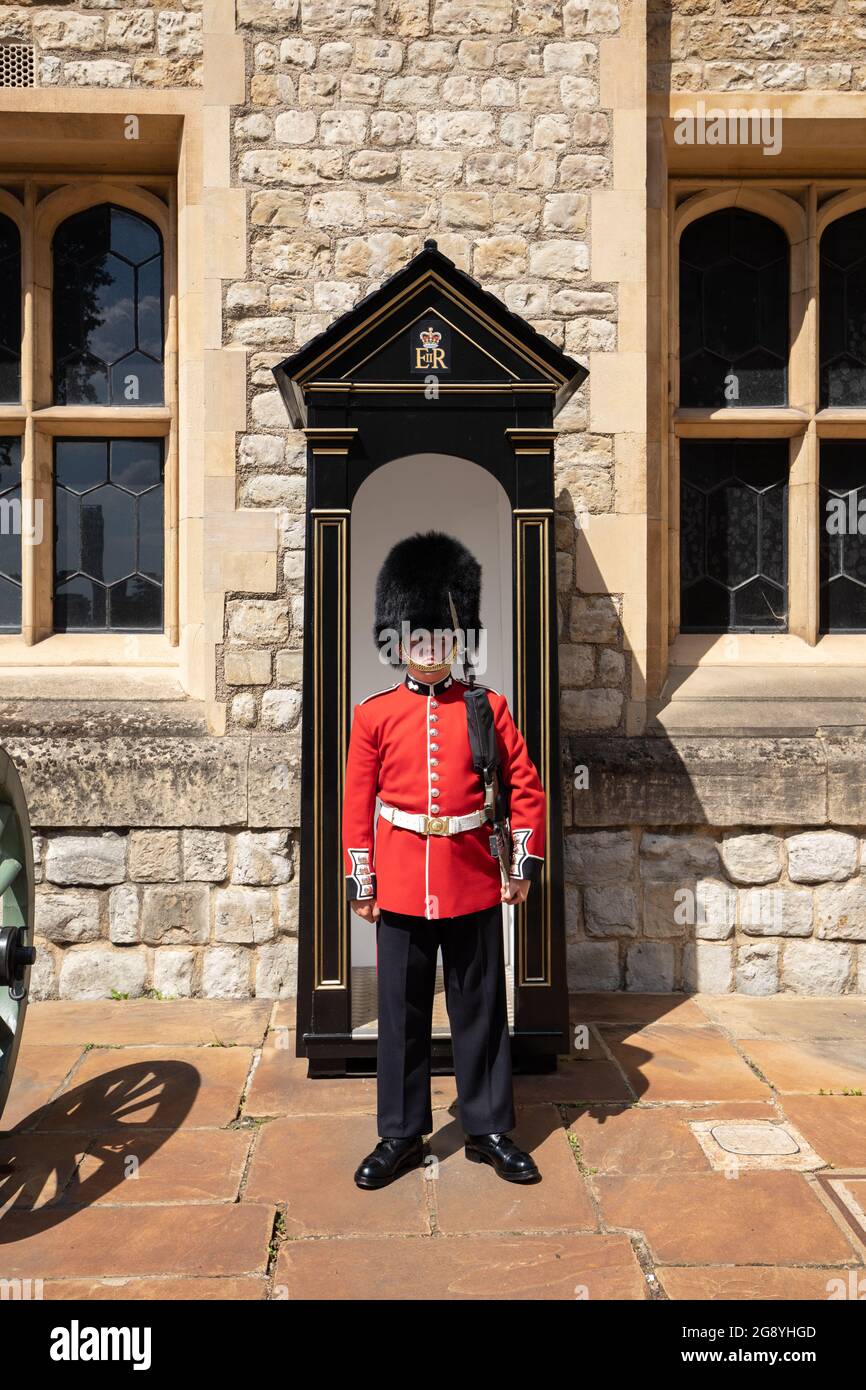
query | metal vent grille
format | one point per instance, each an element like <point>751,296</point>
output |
<point>17,65</point>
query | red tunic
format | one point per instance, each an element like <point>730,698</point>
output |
<point>410,748</point>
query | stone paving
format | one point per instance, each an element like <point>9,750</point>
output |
<point>705,1146</point>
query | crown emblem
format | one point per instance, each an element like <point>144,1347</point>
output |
<point>430,338</point>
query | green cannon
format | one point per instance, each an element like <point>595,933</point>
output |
<point>17,883</point>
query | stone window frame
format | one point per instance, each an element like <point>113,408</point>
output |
<point>45,201</point>
<point>803,208</point>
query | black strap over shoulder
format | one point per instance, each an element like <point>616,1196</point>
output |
<point>485,761</point>
<point>482,734</point>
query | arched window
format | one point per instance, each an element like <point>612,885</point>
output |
<point>842,362</point>
<point>108,311</point>
<point>88,409</point>
<point>10,534</point>
<point>733,306</point>
<point>843,311</point>
<point>10,311</point>
<point>734,339</point>
<point>753,489</point>
<point>108,350</point>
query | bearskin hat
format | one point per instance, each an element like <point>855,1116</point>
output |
<point>414,583</point>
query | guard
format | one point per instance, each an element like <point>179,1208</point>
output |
<point>437,869</point>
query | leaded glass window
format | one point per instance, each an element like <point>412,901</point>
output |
<point>10,534</point>
<point>733,306</point>
<point>733,535</point>
<point>842,531</point>
<point>843,311</point>
<point>108,529</point>
<point>108,310</point>
<point>10,311</point>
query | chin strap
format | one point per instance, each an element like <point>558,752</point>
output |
<point>428,666</point>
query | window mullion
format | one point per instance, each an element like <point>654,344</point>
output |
<point>803,493</point>
<point>803,537</point>
<point>35,526</point>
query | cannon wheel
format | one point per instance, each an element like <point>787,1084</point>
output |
<point>17,886</point>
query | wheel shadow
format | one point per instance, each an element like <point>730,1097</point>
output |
<point>53,1144</point>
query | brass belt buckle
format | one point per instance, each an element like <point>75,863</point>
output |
<point>436,825</point>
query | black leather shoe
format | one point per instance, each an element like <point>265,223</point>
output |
<point>389,1158</point>
<point>509,1161</point>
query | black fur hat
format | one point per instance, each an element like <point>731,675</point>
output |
<point>414,583</point>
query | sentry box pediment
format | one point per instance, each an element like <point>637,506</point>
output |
<point>429,328</point>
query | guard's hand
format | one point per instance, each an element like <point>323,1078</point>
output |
<point>368,909</point>
<point>516,892</point>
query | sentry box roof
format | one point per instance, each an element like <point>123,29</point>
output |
<point>429,319</point>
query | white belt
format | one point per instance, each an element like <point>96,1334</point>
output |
<point>433,825</point>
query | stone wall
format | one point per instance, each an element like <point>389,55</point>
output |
<point>97,43</point>
<point>511,131</point>
<point>763,45</point>
<point>367,129</point>
<point>757,912</point>
<point>173,913</point>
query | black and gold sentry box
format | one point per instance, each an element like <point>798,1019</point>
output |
<point>427,365</point>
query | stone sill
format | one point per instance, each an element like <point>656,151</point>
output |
<point>96,702</point>
<point>747,700</point>
<point>765,650</point>
<point>720,780</point>
<point>107,650</point>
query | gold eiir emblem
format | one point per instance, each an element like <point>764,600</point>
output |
<point>429,356</point>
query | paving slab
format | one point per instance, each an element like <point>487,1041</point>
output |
<point>280,1086</point>
<point>472,1197</point>
<point>835,1126</point>
<point>106,1022</point>
<point>586,1043</point>
<point>805,1066</point>
<point>557,1267</point>
<point>642,1139</point>
<point>154,1087</point>
<point>285,1014</point>
<point>197,1165</point>
<point>308,1163</point>
<point>667,1061</point>
<point>35,1168</point>
<point>39,1074</point>
<point>787,1015</point>
<point>616,1009</point>
<point>761,1283</point>
<point>255,1287</point>
<point>709,1218</point>
<point>102,1242</point>
<point>573,1083</point>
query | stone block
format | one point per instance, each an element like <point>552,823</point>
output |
<point>86,859</point>
<point>67,917</point>
<point>244,916</point>
<point>175,914</point>
<point>154,856</point>
<point>96,972</point>
<point>205,856</point>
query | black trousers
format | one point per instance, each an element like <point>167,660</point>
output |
<point>474,972</point>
